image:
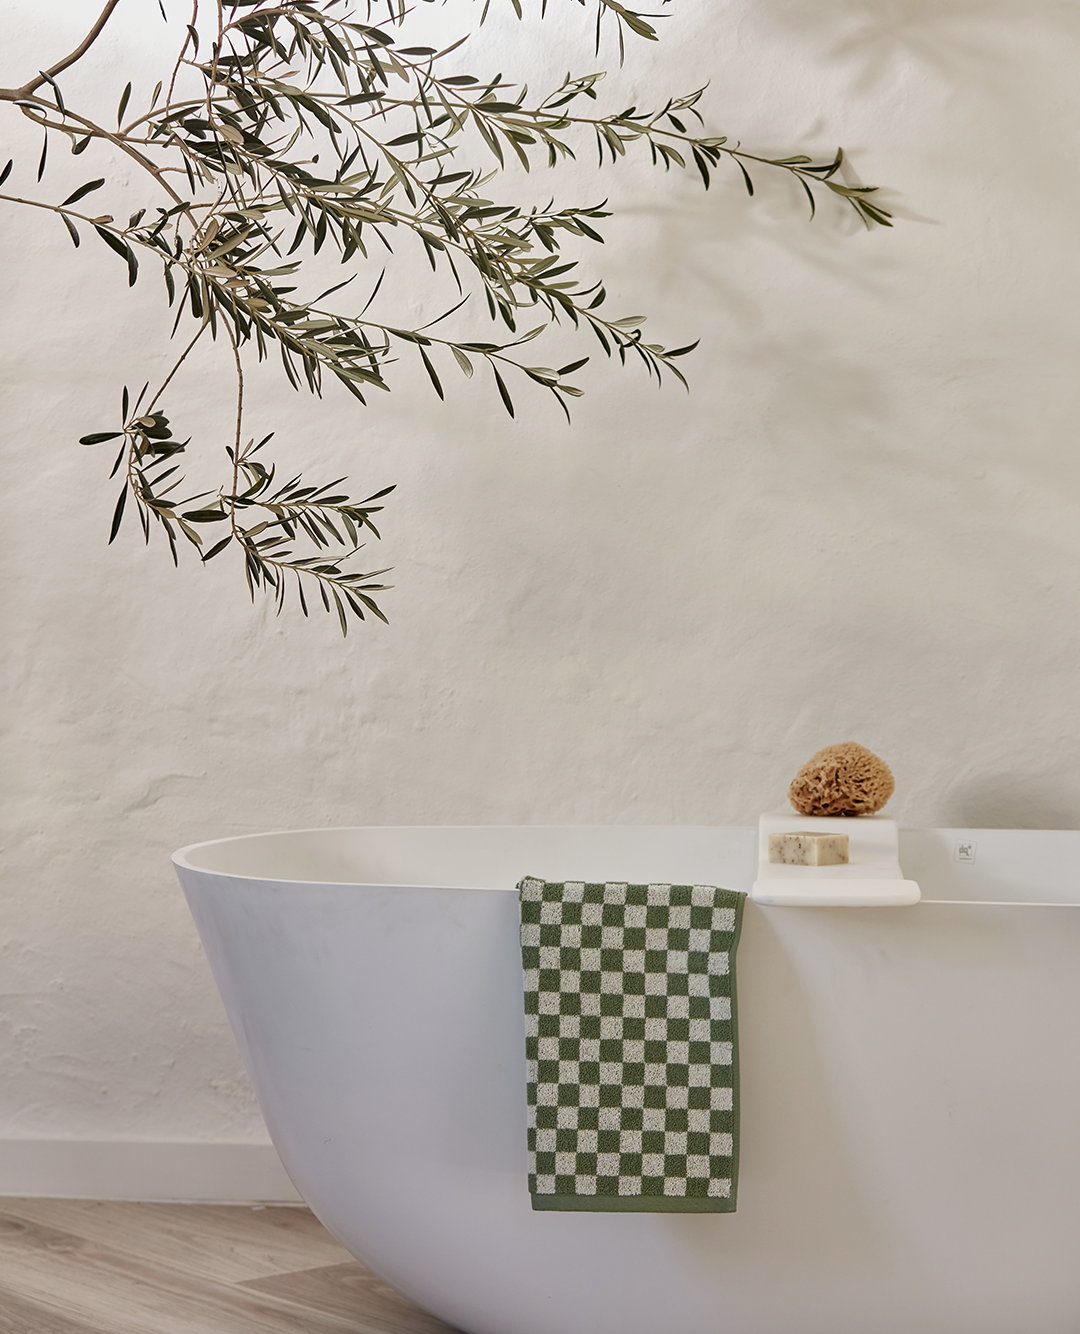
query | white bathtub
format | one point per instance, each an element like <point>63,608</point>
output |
<point>910,1082</point>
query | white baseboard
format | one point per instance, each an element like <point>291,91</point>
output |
<point>144,1170</point>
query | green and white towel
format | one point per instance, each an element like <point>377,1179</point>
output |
<point>630,1022</point>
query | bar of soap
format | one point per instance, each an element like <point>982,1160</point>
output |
<point>809,849</point>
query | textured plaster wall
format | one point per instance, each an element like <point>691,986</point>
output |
<point>861,523</point>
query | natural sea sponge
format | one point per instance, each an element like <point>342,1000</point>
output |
<point>842,780</point>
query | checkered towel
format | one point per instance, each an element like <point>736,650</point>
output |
<point>631,1046</point>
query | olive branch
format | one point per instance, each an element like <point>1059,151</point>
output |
<point>263,91</point>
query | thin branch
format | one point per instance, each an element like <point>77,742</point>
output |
<point>12,94</point>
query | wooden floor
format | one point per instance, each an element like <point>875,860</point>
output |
<point>90,1267</point>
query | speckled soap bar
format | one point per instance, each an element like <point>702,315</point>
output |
<point>809,849</point>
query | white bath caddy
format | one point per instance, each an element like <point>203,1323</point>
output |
<point>871,879</point>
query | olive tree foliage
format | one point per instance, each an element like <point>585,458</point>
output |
<point>286,128</point>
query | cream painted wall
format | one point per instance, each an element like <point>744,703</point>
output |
<point>861,523</point>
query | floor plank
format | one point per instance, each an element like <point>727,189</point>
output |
<point>344,1289</point>
<point>80,1267</point>
<point>229,1243</point>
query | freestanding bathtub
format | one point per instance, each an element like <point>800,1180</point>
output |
<point>910,1082</point>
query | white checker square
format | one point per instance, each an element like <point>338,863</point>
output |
<point>551,913</point>
<point>657,895</point>
<point>674,1185</point>
<point>574,891</point>
<point>633,1095</point>
<point>635,915</point>
<point>530,933</point>
<point>592,914</point>
<point>545,1141</point>
<point>677,1097</point>
<point>615,892</point>
<point>652,1165</point>
<point>655,1073</point>
<point>656,1030</point>
<point>611,1072</point>
<point>569,1072</point>
<point>611,1025</point>
<point>675,1141</point>
<point>607,1164</point>
<point>720,1007</point>
<point>720,1052</point>
<point>531,888</point>
<point>678,1053</point>
<point>611,937</point>
<point>700,1076</point>
<point>569,1025</point>
<point>633,1049</point>
<point>548,1002</point>
<point>699,984</point>
<point>655,937</point>
<point>569,981</point>
<point>565,1164</point>
<point>586,1141</point>
<point>589,1095</point>
<point>547,1095</point>
<point>590,961</point>
<point>633,961</point>
<point>547,1049</point>
<point>678,1007</point>
<point>702,896</point>
<point>679,918</point>
<point>532,1025</point>
<point>630,1141</point>
<point>609,1118</point>
<point>723,919</point>
<point>720,1188</point>
<point>699,1030</point>
<point>531,978</point>
<point>677,961</point>
<point>566,1118</point>
<point>697,1165</point>
<point>610,984</point>
<point>633,1006</point>
<point>697,1119</point>
<point>585,1185</point>
<point>629,1185</point>
<point>700,939</point>
<point>720,1100</point>
<point>720,1146</point>
<point>545,1185</point>
<point>570,935</point>
<point>550,956</point>
<point>654,1118</point>
<point>532,1071</point>
<point>590,1049</point>
<point>656,984</point>
<point>719,963</point>
<point>590,1003</point>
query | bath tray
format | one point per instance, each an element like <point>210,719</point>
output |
<point>872,878</point>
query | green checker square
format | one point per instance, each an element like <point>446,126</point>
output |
<point>550,981</point>
<point>571,913</point>
<point>678,938</point>
<point>593,894</point>
<point>570,958</point>
<point>530,911</point>
<point>652,1141</point>
<point>652,1185</point>
<point>589,1072</point>
<point>545,1164</point>
<point>676,1118</point>
<point>611,1049</point>
<point>699,1053</point>
<point>530,956</point>
<point>701,918</point>
<point>637,894</point>
<point>547,1072</point>
<point>697,1142</point>
<point>633,1118</point>
<point>552,892</point>
<point>588,1118</point>
<point>547,1025</point>
<point>569,1095</point>
<point>611,961</point>
<point>633,1074</point>
<point>656,915</point>
<point>656,1007</point>
<point>570,1002</point>
<point>699,1007</point>
<point>719,1167</point>
<point>586,1164</point>
<point>675,1164</point>
<point>565,1185</point>
<point>697,961</point>
<point>678,984</point>
<point>633,1028</point>
<point>681,896</point>
<point>532,1183</point>
<point>611,1003</point>
<point>697,1187</point>
<point>607,1141</point>
<point>634,937</point>
<point>613,914</point>
<point>678,1030</point>
<point>633,984</point>
<point>547,1118</point>
<point>656,1051</point>
<point>656,961</point>
<point>565,1140</point>
<point>610,1095</point>
<point>590,1025</point>
<point>656,1095</point>
<point>629,1164</point>
<point>550,934</point>
<point>590,982</point>
<point>607,1185</point>
<point>591,937</point>
<point>532,1048</point>
<point>678,1076</point>
<point>569,1049</point>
